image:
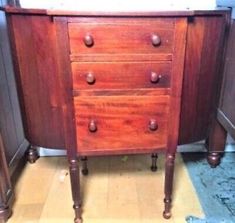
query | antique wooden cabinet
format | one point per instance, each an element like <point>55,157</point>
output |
<point>117,82</point>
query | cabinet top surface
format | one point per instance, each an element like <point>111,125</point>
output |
<point>116,7</point>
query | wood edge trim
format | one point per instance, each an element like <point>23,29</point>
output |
<point>163,13</point>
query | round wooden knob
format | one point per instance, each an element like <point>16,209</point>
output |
<point>90,78</point>
<point>92,126</point>
<point>153,125</point>
<point>88,40</point>
<point>156,40</point>
<point>155,78</point>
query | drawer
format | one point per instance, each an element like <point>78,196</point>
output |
<point>118,123</point>
<point>123,75</point>
<point>121,36</point>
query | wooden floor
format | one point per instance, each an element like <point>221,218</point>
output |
<point>117,189</point>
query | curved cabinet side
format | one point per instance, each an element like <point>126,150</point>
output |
<point>33,43</point>
<point>202,76</point>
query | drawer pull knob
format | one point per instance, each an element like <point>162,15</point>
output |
<point>155,78</point>
<point>156,40</point>
<point>153,126</point>
<point>92,126</point>
<point>90,78</point>
<point>88,41</point>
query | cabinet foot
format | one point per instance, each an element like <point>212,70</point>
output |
<point>154,162</point>
<point>32,154</point>
<point>5,213</point>
<point>213,159</point>
<point>84,166</point>
<point>169,174</point>
<point>216,143</point>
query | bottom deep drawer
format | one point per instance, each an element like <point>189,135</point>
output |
<point>113,123</point>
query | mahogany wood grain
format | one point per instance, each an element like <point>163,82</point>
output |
<point>131,75</point>
<point>68,120</point>
<point>129,117</point>
<point>122,123</point>
<point>174,110</point>
<point>201,76</point>
<point>120,57</point>
<point>116,92</point>
<point>125,35</point>
<point>33,43</point>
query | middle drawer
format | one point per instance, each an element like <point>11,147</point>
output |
<point>120,75</point>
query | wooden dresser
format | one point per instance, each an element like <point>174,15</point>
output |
<point>117,82</point>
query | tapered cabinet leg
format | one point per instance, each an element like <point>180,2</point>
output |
<point>169,175</point>
<point>32,154</point>
<point>84,166</point>
<point>5,213</point>
<point>154,162</point>
<point>75,185</point>
<point>216,144</point>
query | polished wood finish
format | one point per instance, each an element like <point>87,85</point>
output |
<point>68,121</point>
<point>202,75</point>
<point>135,36</point>
<point>40,102</point>
<point>195,111</point>
<point>131,114</point>
<point>124,75</point>
<point>117,84</point>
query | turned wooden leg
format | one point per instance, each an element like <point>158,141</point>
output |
<point>32,154</point>
<point>154,162</point>
<point>84,166</point>
<point>216,144</point>
<point>75,185</point>
<point>169,174</point>
<point>5,213</point>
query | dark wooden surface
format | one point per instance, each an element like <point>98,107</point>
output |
<point>52,58</point>
<point>201,77</point>
<point>226,112</point>
<point>34,45</point>
<point>124,75</point>
<point>43,119</point>
<point>125,37</point>
<point>131,114</point>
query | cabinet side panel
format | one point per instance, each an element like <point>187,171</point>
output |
<point>33,44</point>
<point>201,76</point>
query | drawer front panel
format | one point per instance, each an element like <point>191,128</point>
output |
<point>111,123</point>
<point>120,36</point>
<point>92,76</point>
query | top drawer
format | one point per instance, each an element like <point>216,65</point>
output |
<point>121,35</point>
